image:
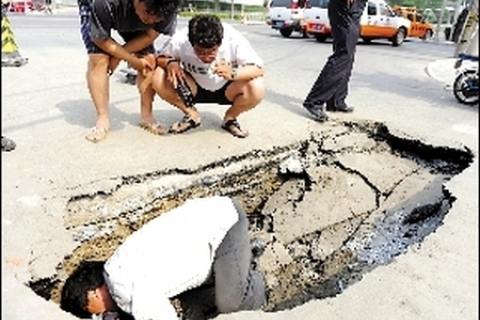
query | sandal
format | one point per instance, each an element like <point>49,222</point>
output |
<point>183,125</point>
<point>234,128</point>
<point>97,134</point>
<point>8,144</point>
<point>155,128</point>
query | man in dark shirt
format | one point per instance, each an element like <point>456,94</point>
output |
<point>331,86</point>
<point>139,23</point>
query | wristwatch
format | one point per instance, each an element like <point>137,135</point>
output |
<point>233,74</point>
<point>170,61</point>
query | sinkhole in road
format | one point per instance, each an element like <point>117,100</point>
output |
<point>323,212</point>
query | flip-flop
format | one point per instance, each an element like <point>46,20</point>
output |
<point>234,128</point>
<point>185,124</point>
<point>97,134</point>
<point>155,128</point>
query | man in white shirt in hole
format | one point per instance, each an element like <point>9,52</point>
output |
<point>218,64</point>
<point>175,252</point>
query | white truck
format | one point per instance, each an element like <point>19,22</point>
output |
<point>286,16</point>
<point>377,22</point>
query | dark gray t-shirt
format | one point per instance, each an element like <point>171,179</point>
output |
<point>107,15</point>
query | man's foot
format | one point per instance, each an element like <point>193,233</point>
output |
<point>8,144</point>
<point>97,134</point>
<point>234,128</point>
<point>183,125</point>
<point>345,108</point>
<point>155,127</point>
<point>318,112</point>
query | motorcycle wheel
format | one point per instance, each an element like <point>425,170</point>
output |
<point>465,87</point>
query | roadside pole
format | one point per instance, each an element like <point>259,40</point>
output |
<point>439,22</point>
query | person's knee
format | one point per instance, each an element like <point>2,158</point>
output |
<point>250,93</point>
<point>253,296</point>
<point>98,62</point>
<point>159,81</point>
<point>257,89</point>
<point>164,88</point>
<point>228,306</point>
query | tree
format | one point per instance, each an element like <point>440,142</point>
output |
<point>420,4</point>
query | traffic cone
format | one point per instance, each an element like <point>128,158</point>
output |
<point>10,55</point>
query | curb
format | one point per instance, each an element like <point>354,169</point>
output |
<point>442,70</point>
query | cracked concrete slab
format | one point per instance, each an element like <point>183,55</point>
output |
<point>323,221</point>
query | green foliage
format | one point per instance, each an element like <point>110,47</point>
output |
<point>420,4</point>
<point>221,9</point>
<point>217,6</point>
<point>430,9</point>
<point>221,15</point>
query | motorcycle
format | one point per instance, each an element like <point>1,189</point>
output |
<point>465,85</point>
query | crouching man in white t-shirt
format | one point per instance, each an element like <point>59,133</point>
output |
<point>219,66</point>
<point>177,251</point>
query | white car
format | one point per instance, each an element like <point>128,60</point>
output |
<point>286,16</point>
<point>316,22</point>
<point>378,21</point>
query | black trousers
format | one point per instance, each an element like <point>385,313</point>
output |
<point>331,86</point>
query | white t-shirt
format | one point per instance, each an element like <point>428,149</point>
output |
<point>168,255</point>
<point>235,50</point>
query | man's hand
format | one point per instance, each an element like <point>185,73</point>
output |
<point>143,65</point>
<point>149,63</point>
<point>175,73</point>
<point>113,64</point>
<point>224,70</point>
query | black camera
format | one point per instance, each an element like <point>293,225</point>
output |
<point>185,93</point>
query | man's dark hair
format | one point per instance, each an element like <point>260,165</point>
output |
<point>88,276</point>
<point>205,30</point>
<point>162,8</point>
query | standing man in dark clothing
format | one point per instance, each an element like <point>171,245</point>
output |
<point>331,86</point>
<point>48,6</point>
<point>139,23</point>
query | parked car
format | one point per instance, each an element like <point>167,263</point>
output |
<point>378,21</point>
<point>286,16</point>
<point>316,21</point>
<point>20,5</point>
<point>420,28</point>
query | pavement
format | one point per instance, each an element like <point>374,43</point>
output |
<point>53,164</point>
<point>442,70</point>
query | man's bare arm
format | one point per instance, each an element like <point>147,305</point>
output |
<point>125,52</point>
<point>140,42</point>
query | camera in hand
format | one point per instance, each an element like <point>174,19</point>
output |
<point>185,93</point>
